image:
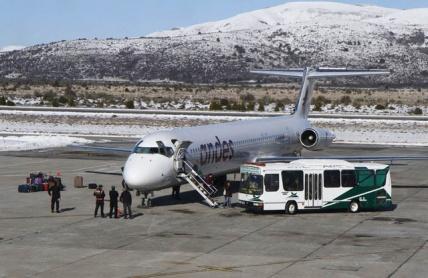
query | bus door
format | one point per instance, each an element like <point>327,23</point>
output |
<point>313,189</point>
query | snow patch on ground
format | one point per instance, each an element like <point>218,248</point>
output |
<point>23,143</point>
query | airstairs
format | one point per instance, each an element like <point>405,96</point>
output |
<point>186,171</point>
<point>206,190</point>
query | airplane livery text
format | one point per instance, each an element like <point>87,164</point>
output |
<point>219,151</point>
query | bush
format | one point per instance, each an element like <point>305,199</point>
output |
<point>10,103</point>
<point>129,104</point>
<point>417,111</point>
<point>215,105</point>
<point>55,103</point>
<point>346,100</point>
<point>62,100</point>
<point>380,107</point>
<point>261,106</point>
<point>2,100</point>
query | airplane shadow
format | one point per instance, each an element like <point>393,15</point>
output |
<point>185,198</point>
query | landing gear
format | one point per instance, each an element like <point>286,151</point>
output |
<point>146,199</point>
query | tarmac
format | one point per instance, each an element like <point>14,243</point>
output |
<point>186,238</point>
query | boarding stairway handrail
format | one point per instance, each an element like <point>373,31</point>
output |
<point>204,189</point>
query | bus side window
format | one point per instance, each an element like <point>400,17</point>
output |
<point>271,182</point>
<point>331,178</point>
<point>366,177</point>
<point>349,178</point>
<point>292,180</point>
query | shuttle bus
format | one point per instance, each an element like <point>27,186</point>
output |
<point>315,184</point>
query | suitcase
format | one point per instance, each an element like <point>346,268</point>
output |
<point>40,187</point>
<point>45,186</point>
<point>24,188</point>
<point>34,187</point>
<point>92,186</point>
<point>78,181</point>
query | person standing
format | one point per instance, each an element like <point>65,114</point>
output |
<point>113,201</point>
<point>176,191</point>
<point>99,200</point>
<point>126,200</point>
<point>227,195</point>
<point>55,192</point>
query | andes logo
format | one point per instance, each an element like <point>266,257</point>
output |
<point>219,151</point>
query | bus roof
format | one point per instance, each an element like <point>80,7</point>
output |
<point>318,164</point>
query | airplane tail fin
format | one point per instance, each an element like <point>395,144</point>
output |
<point>310,75</point>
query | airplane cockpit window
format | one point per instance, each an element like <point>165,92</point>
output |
<point>167,151</point>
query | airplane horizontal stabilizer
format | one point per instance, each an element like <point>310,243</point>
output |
<point>322,72</point>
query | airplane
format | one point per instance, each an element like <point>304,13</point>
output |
<point>158,160</point>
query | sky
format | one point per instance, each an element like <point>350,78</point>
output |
<point>29,22</point>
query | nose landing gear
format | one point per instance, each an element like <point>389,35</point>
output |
<point>146,199</point>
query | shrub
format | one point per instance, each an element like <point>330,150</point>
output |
<point>261,106</point>
<point>380,107</point>
<point>417,111</point>
<point>215,105</point>
<point>55,102</point>
<point>129,104</point>
<point>346,100</point>
<point>10,103</point>
<point>2,100</point>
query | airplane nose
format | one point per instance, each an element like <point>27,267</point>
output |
<point>145,171</point>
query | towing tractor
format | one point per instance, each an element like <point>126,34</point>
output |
<point>315,184</point>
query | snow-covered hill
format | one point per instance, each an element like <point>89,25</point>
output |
<point>290,35</point>
<point>287,16</point>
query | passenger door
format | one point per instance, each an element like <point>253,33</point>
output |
<point>313,189</point>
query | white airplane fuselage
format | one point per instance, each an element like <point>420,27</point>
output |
<point>216,149</point>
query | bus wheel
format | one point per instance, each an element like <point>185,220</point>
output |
<point>354,206</point>
<point>291,208</point>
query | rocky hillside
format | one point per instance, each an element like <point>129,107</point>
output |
<point>290,35</point>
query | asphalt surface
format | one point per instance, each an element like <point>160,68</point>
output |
<point>185,238</point>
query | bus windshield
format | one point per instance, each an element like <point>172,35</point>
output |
<point>251,184</point>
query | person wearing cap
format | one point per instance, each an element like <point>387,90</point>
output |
<point>113,201</point>
<point>99,200</point>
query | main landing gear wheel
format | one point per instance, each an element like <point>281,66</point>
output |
<point>291,208</point>
<point>354,206</point>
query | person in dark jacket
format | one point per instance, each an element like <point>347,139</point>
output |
<point>113,201</point>
<point>99,200</point>
<point>55,192</point>
<point>126,200</point>
<point>227,195</point>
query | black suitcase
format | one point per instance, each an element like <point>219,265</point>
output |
<point>92,185</point>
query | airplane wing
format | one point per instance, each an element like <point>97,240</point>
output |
<point>104,173</point>
<point>347,158</point>
<point>91,148</point>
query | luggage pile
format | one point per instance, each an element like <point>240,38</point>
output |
<point>38,182</point>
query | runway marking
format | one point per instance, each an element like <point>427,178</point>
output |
<point>334,239</point>
<point>419,248</point>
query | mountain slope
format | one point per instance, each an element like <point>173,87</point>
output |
<point>290,35</point>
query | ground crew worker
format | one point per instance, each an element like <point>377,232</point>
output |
<point>176,192</point>
<point>113,201</point>
<point>99,200</point>
<point>126,200</point>
<point>55,192</point>
<point>227,195</point>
